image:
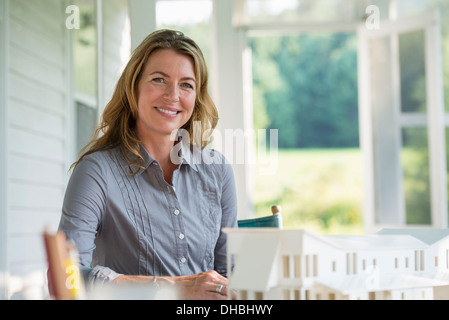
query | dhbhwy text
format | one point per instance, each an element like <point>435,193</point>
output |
<point>225,309</point>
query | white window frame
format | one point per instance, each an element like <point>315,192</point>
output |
<point>142,16</point>
<point>434,120</point>
<point>230,61</point>
<point>4,41</point>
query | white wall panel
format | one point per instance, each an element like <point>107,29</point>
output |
<point>35,196</point>
<point>29,65</point>
<point>31,92</point>
<point>35,119</point>
<point>36,129</point>
<point>32,145</point>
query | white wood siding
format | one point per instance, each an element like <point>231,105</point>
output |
<point>37,119</point>
<point>38,84</point>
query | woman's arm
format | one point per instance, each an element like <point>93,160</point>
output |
<point>83,207</point>
<point>228,218</point>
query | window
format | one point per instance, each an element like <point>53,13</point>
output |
<point>405,158</point>
<point>354,262</point>
<point>311,264</point>
<point>85,71</point>
<point>85,49</point>
<point>297,263</point>
<point>419,260</point>
<point>86,119</point>
<point>314,77</point>
<point>415,151</point>
<point>297,294</point>
<point>308,295</point>
<point>401,104</point>
<point>286,266</point>
<point>307,262</point>
<point>351,263</point>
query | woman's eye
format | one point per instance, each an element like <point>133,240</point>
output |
<point>187,86</point>
<point>158,80</point>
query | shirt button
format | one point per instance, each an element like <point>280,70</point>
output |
<point>176,212</point>
<point>183,260</point>
<point>181,236</point>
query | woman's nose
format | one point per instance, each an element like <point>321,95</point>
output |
<point>172,93</point>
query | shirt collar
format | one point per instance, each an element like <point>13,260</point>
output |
<point>135,168</point>
<point>189,154</point>
<point>186,154</point>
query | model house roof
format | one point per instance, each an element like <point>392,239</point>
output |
<point>382,241</point>
<point>385,239</point>
<point>427,235</point>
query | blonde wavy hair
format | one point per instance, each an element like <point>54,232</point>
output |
<point>118,124</point>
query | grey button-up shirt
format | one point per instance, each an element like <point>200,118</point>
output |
<point>140,224</point>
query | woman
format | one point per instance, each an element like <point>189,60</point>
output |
<point>141,205</point>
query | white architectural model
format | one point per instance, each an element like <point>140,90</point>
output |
<point>299,264</point>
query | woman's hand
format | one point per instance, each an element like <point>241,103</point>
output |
<point>208,285</point>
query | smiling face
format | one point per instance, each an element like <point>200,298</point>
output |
<point>166,94</point>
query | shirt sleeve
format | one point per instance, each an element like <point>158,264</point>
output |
<point>228,218</point>
<point>83,207</point>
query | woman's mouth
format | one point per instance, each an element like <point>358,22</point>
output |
<point>170,112</point>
